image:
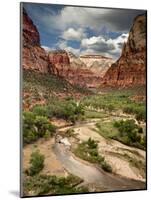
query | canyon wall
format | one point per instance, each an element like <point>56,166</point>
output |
<point>130,68</point>
<point>33,56</point>
<point>68,66</point>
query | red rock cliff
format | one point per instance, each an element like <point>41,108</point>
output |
<point>33,56</point>
<point>130,68</point>
<point>73,71</point>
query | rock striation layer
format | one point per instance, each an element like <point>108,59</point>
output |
<point>97,63</point>
<point>68,66</point>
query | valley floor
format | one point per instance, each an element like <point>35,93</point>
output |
<point>128,163</point>
<point>77,136</point>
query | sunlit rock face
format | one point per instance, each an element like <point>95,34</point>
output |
<point>67,65</point>
<point>130,68</point>
<point>97,63</point>
<point>33,56</point>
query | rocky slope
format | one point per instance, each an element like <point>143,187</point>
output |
<point>130,68</point>
<point>68,66</point>
<point>33,56</point>
<point>97,63</point>
<point>76,62</point>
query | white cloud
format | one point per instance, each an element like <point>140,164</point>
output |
<point>94,45</point>
<point>72,34</point>
<point>72,23</point>
<point>108,47</point>
<point>98,43</point>
<point>63,45</point>
<point>47,49</point>
<point>73,50</point>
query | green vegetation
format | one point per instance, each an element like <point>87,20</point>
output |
<point>94,114</point>
<point>35,127</point>
<point>39,184</point>
<point>107,130</point>
<point>117,100</point>
<point>64,109</point>
<point>45,184</point>
<point>70,133</point>
<point>125,131</point>
<point>129,128</point>
<point>36,163</point>
<point>41,86</point>
<point>138,110</point>
<point>89,151</point>
<point>134,162</point>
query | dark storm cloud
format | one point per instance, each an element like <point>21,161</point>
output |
<point>121,19</point>
<point>63,17</point>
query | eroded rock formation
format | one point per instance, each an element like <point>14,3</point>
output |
<point>71,68</point>
<point>97,63</point>
<point>33,56</point>
<point>130,68</point>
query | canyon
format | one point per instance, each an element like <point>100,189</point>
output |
<point>89,70</point>
<point>70,67</point>
<point>89,136</point>
<point>86,70</point>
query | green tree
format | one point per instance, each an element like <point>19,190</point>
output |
<point>36,163</point>
<point>35,127</point>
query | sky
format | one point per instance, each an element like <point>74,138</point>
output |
<point>82,30</point>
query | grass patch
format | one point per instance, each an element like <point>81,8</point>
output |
<point>94,114</point>
<point>117,100</point>
<point>45,184</point>
<point>89,151</point>
<point>126,132</point>
<point>107,130</point>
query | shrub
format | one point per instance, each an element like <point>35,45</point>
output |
<point>141,115</point>
<point>43,125</point>
<point>35,127</point>
<point>46,184</point>
<point>89,151</point>
<point>65,109</point>
<point>126,127</point>
<point>143,141</point>
<point>140,130</point>
<point>71,111</point>
<point>129,131</point>
<point>106,167</point>
<point>70,133</point>
<point>92,144</point>
<point>40,110</point>
<point>36,162</point>
<point>138,110</point>
<point>128,109</point>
